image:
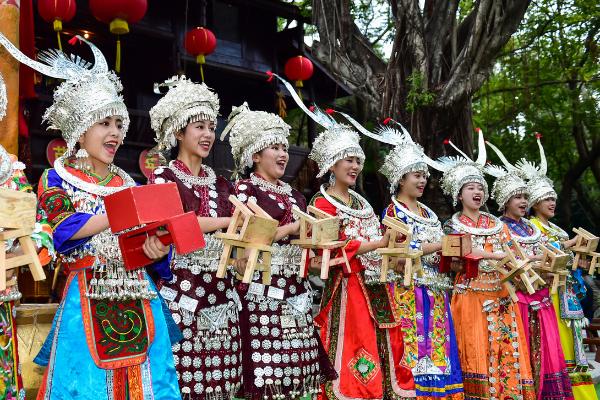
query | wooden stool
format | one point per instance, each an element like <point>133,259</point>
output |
<point>585,246</point>
<point>251,230</point>
<point>554,263</point>
<point>512,268</point>
<point>17,219</point>
<point>397,250</point>
<point>319,232</point>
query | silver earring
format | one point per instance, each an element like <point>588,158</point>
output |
<point>81,160</point>
<point>331,180</point>
<point>81,153</point>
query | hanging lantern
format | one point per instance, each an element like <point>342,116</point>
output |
<point>57,12</point>
<point>119,14</point>
<point>298,69</point>
<point>200,42</point>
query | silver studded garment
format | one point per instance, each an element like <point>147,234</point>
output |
<point>492,344</point>
<point>282,353</point>
<point>208,359</point>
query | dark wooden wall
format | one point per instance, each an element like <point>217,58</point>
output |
<point>248,44</point>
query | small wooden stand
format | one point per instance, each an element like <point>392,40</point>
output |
<point>320,232</point>
<point>396,250</point>
<point>251,229</point>
<point>585,246</point>
<point>512,267</point>
<point>457,245</point>
<point>554,263</point>
<point>17,219</point>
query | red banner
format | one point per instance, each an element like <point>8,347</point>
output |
<point>56,148</point>
<point>148,163</point>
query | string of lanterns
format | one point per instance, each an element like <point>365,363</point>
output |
<point>119,14</point>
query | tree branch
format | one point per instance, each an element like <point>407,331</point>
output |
<point>493,24</point>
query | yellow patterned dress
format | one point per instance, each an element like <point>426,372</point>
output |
<point>570,322</point>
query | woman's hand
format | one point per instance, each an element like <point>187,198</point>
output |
<point>153,247</point>
<point>399,267</point>
<point>240,265</point>
<point>385,239</point>
<point>287,230</point>
<point>457,265</point>
<point>567,244</point>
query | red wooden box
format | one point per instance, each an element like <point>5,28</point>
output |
<point>153,206</point>
<point>139,205</point>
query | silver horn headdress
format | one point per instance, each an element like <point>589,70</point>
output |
<point>406,155</point>
<point>89,93</point>
<point>509,180</point>
<point>540,187</point>
<point>252,131</point>
<point>184,103</point>
<point>457,171</point>
<point>335,143</point>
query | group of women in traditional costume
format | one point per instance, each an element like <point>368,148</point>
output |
<point>185,333</point>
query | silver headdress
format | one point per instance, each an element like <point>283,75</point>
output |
<point>460,170</point>
<point>3,98</point>
<point>88,94</point>
<point>406,156</point>
<point>337,142</point>
<point>509,180</point>
<point>540,187</point>
<point>252,131</point>
<point>185,102</point>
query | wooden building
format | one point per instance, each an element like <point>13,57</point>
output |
<point>252,37</point>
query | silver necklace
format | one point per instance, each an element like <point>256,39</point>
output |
<point>533,238</point>
<point>557,230</point>
<point>282,188</point>
<point>365,212</point>
<point>92,188</point>
<point>478,231</point>
<point>191,180</point>
<point>433,220</point>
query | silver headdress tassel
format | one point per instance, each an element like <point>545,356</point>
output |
<point>509,180</point>
<point>184,103</point>
<point>540,187</point>
<point>406,156</point>
<point>252,131</point>
<point>460,170</point>
<point>88,94</point>
<point>337,142</point>
<point>3,98</point>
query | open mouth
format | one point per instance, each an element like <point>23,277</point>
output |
<point>421,188</point>
<point>281,164</point>
<point>111,146</point>
<point>477,199</point>
<point>204,145</point>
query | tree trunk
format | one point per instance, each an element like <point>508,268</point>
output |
<point>437,63</point>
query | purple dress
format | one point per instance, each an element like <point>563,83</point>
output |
<point>283,354</point>
<point>208,359</point>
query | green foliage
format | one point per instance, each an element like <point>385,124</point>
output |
<point>548,81</point>
<point>417,96</point>
<point>373,18</point>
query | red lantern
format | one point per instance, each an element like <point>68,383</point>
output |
<point>57,12</point>
<point>200,42</point>
<point>119,14</point>
<point>298,69</point>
